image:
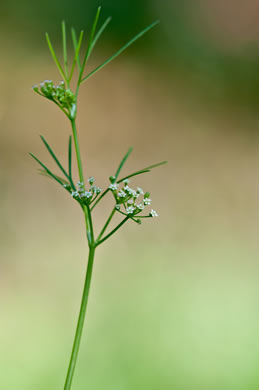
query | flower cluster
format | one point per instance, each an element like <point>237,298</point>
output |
<point>84,196</point>
<point>59,94</point>
<point>129,199</point>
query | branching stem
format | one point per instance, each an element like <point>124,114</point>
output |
<point>112,232</point>
<point>106,224</point>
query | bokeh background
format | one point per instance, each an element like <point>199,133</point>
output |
<point>174,302</point>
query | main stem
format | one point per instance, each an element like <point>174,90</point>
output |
<point>78,155</point>
<point>88,277</point>
<point>81,319</point>
<point>88,220</point>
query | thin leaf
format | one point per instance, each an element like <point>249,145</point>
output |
<point>64,40</point>
<point>57,161</point>
<point>156,165</point>
<point>123,162</point>
<point>75,44</point>
<point>134,174</point>
<point>70,156</point>
<point>46,169</point>
<point>99,33</point>
<point>77,47</point>
<point>88,50</point>
<point>113,231</point>
<point>139,35</point>
<point>44,173</point>
<point>54,156</point>
<point>61,71</point>
<point>144,170</point>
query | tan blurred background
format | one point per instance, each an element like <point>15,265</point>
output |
<point>174,302</point>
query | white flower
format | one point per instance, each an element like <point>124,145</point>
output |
<point>122,194</point>
<point>114,186</point>
<point>87,194</point>
<point>126,181</point>
<point>130,210</point>
<point>147,201</point>
<point>96,190</point>
<point>74,194</point>
<point>80,184</point>
<point>153,213</point>
<point>91,180</point>
<point>140,191</point>
<point>130,191</point>
<point>130,201</point>
<point>140,206</point>
<point>118,206</point>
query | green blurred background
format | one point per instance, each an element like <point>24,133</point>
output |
<point>174,302</point>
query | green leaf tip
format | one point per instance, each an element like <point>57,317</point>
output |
<point>77,47</point>
<point>121,50</point>
<point>67,175</point>
<point>55,59</point>
<point>99,33</point>
<point>123,162</point>
<point>157,165</point>
<point>64,40</point>
<point>44,173</point>
<point>92,33</point>
<point>45,168</point>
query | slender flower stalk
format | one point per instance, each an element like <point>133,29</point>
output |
<point>106,224</point>
<point>127,202</point>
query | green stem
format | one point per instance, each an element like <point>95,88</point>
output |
<point>90,238</point>
<point>87,213</point>
<point>98,199</point>
<point>106,224</point>
<point>89,225</point>
<point>112,232</point>
<point>78,155</point>
<point>81,319</point>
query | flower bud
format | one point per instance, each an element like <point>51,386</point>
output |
<point>112,179</point>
